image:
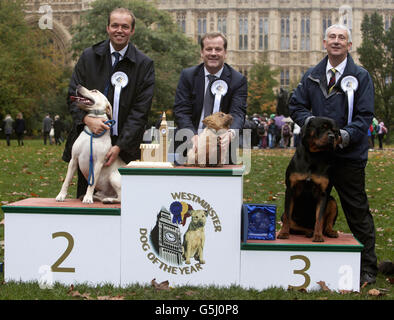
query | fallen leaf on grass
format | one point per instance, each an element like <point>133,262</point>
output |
<point>77,294</point>
<point>160,286</point>
<point>110,298</point>
<point>2,222</point>
<point>375,292</point>
<point>189,293</point>
<point>323,286</point>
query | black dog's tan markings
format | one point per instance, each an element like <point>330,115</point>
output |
<point>309,208</point>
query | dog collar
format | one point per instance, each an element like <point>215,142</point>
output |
<point>97,112</point>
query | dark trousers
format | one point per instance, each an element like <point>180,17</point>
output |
<point>46,137</point>
<point>8,139</point>
<point>348,178</point>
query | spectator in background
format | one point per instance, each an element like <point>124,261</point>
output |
<point>382,130</point>
<point>8,125</point>
<point>46,128</point>
<point>20,128</point>
<point>271,133</point>
<point>58,128</point>
<point>286,135</point>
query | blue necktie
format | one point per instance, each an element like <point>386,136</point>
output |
<point>117,57</point>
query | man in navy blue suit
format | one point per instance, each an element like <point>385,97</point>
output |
<point>194,84</point>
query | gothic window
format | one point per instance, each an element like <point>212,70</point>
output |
<point>326,22</point>
<point>284,78</point>
<point>181,21</point>
<point>285,33</point>
<point>201,27</point>
<point>263,33</point>
<point>222,24</point>
<point>387,21</point>
<point>243,33</point>
<point>305,33</point>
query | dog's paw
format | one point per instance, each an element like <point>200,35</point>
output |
<point>110,200</point>
<point>331,234</point>
<point>283,235</point>
<point>187,261</point>
<point>87,199</point>
<point>202,261</point>
<point>61,197</point>
<point>318,238</point>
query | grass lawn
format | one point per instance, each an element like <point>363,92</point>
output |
<point>35,170</point>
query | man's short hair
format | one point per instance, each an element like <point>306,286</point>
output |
<point>212,35</point>
<point>339,26</point>
<point>122,10</point>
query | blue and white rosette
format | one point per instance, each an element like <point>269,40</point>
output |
<point>119,80</point>
<point>218,89</point>
<point>349,84</point>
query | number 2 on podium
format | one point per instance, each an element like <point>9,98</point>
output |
<point>55,267</point>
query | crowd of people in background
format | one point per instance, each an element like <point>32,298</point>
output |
<point>273,131</point>
<point>52,130</point>
<point>377,128</point>
<point>277,131</point>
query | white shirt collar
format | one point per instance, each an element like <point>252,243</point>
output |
<point>122,52</point>
<point>218,74</point>
<point>340,68</point>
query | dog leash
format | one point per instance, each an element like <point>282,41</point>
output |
<point>93,135</point>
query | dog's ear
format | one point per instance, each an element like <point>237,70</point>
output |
<point>206,213</point>
<point>108,111</point>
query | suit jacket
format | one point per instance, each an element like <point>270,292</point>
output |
<point>189,97</point>
<point>93,71</point>
<point>311,98</point>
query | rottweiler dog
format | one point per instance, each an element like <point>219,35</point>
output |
<point>309,208</point>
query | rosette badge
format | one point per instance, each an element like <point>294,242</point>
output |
<point>349,84</point>
<point>119,80</point>
<point>219,89</point>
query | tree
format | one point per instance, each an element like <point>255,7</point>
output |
<point>155,34</point>
<point>29,65</point>
<point>261,96</point>
<point>376,55</point>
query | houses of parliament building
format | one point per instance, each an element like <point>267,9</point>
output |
<point>286,34</point>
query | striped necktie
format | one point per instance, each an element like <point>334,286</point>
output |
<point>332,80</point>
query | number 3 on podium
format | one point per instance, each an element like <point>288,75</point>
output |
<point>302,272</point>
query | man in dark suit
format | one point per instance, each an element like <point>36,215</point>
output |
<point>321,93</point>
<point>94,70</point>
<point>194,85</point>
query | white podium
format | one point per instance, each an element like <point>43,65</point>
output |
<point>298,263</point>
<point>179,224</point>
<point>68,242</point>
<point>153,225</point>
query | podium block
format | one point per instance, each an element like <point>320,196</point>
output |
<point>163,213</point>
<point>299,263</point>
<point>68,242</point>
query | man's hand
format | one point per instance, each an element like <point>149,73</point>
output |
<point>95,125</point>
<point>112,155</point>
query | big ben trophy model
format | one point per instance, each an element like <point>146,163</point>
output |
<point>155,154</point>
